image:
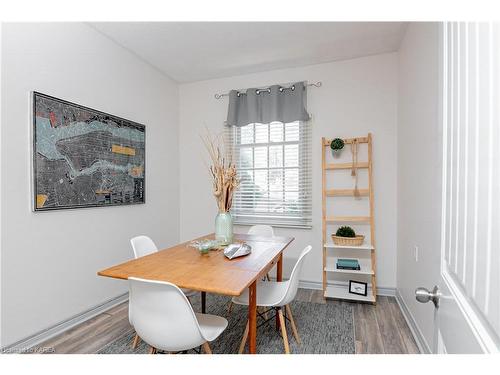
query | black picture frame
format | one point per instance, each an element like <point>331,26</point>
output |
<point>139,195</point>
<point>364,285</point>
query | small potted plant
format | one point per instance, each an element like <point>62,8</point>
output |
<point>345,236</point>
<point>337,145</point>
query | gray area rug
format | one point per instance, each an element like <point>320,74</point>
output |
<point>323,328</point>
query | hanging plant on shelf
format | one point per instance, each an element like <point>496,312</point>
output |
<point>337,145</point>
<point>345,236</point>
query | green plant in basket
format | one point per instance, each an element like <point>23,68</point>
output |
<point>345,231</point>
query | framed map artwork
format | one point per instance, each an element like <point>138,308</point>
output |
<point>85,158</point>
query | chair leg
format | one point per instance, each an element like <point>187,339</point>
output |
<point>244,340</point>
<point>294,327</point>
<point>152,350</point>
<point>230,307</point>
<point>136,341</point>
<point>267,277</point>
<point>264,314</point>
<point>283,331</point>
<point>203,302</point>
<point>206,348</point>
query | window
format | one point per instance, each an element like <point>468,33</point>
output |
<point>273,163</point>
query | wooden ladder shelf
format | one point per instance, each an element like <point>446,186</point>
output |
<point>367,264</point>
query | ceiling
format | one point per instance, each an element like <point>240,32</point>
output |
<point>196,51</point>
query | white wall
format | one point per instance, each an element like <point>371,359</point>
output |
<point>419,169</point>
<point>357,96</point>
<point>50,259</point>
<point>1,314</point>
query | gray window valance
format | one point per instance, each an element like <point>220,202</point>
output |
<point>276,103</point>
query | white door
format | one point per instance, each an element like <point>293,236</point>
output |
<point>467,297</point>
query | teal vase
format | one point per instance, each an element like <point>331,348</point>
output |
<point>224,228</point>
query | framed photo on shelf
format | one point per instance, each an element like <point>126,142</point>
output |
<point>358,287</point>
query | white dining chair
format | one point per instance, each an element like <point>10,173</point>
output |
<point>142,246</point>
<point>163,317</point>
<point>276,295</point>
<point>262,231</point>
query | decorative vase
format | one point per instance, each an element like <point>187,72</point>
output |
<point>224,228</point>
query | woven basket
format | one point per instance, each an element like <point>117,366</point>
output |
<point>348,241</point>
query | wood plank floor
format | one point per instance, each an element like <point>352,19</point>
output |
<point>378,328</point>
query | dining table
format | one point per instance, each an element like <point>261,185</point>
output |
<point>185,266</point>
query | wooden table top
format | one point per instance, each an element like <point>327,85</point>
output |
<point>185,267</point>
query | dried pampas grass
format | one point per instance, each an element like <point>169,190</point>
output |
<point>222,170</point>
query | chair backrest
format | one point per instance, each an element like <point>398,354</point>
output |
<point>163,316</point>
<point>293,282</point>
<point>262,230</point>
<point>143,245</point>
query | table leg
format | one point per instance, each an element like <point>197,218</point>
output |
<point>252,318</point>
<point>279,277</point>
<point>203,302</point>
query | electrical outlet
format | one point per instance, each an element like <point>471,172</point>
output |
<point>415,253</point>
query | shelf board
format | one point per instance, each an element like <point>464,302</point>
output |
<point>362,247</point>
<point>341,292</point>
<point>365,264</point>
<point>348,219</point>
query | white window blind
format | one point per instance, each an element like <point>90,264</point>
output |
<point>274,166</point>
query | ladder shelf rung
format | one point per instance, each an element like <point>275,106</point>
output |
<point>346,192</point>
<point>347,140</point>
<point>361,164</point>
<point>348,219</point>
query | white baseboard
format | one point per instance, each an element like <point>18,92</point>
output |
<point>37,338</point>
<point>422,344</point>
<point>310,285</point>
<point>386,291</point>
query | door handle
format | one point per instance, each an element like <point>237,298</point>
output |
<point>423,295</point>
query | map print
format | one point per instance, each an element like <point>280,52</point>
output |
<point>85,158</point>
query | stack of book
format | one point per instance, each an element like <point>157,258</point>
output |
<point>348,264</point>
